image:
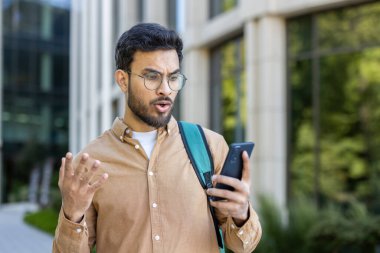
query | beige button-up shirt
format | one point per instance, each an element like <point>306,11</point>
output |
<point>155,205</point>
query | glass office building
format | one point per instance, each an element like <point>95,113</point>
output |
<point>299,78</point>
<point>35,89</point>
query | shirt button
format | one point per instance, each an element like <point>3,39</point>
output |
<point>137,146</point>
<point>154,205</point>
<point>78,230</point>
<point>157,238</point>
<point>150,173</point>
<point>241,232</point>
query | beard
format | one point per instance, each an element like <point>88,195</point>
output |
<point>141,110</point>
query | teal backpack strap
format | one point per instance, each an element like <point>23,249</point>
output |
<point>198,151</point>
<point>200,157</point>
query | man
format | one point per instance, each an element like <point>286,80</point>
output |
<point>141,194</point>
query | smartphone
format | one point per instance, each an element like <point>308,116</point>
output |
<point>233,165</point>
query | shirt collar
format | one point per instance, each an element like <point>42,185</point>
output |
<point>122,131</point>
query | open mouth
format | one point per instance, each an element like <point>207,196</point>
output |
<point>163,105</point>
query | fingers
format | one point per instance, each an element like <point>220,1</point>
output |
<point>98,183</point>
<point>81,175</point>
<point>246,175</point>
<point>68,164</point>
<point>240,194</point>
<point>86,176</point>
<point>227,195</point>
<point>81,168</point>
<point>233,182</point>
<point>231,207</point>
<point>238,211</point>
<point>61,172</point>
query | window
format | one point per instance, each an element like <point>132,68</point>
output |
<point>228,90</point>
<point>115,109</point>
<point>140,10</point>
<point>334,88</point>
<point>219,6</point>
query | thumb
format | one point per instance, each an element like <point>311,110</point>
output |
<point>246,175</point>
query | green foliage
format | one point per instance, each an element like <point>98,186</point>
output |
<point>340,229</point>
<point>273,238</point>
<point>55,199</point>
<point>332,229</point>
<point>19,193</point>
<point>350,27</point>
<point>45,219</point>
<point>280,236</point>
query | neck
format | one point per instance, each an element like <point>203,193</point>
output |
<point>135,123</point>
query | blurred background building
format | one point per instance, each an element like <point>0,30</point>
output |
<point>299,78</point>
<point>35,88</point>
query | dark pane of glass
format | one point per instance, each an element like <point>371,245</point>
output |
<point>299,36</point>
<point>116,19</point>
<point>61,24</point>
<point>349,28</point>
<point>350,114</point>
<point>229,90</point>
<point>115,109</point>
<point>302,138</point>
<point>220,6</point>
<point>60,65</point>
<point>24,17</point>
<point>140,10</point>
<point>172,14</point>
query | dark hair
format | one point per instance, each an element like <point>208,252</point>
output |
<point>145,37</point>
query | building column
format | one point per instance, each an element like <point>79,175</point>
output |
<point>106,64</point>
<point>84,120</point>
<point>195,95</point>
<point>92,81</point>
<point>156,11</point>
<point>74,113</point>
<point>266,80</point>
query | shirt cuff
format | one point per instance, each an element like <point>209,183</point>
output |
<point>72,230</point>
<point>249,232</point>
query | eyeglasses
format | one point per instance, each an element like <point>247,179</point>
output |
<point>153,80</point>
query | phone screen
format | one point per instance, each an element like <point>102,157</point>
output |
<point>233,165</point>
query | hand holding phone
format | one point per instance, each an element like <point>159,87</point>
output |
<point>233,165</point>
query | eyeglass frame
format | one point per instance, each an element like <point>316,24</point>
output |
<point>162,78</point>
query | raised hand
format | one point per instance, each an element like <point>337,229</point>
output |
<point>78,185</point>
<point>236,202</point>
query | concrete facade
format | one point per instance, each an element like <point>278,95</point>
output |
<point>95,100</point>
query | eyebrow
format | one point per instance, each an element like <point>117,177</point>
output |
<point>156,71</point>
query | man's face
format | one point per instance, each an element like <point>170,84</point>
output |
<point>153,107</point>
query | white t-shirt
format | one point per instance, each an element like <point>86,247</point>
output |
<point>147,140</point>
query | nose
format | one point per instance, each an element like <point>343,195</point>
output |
<point>164,89</point>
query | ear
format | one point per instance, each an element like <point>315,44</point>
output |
<point>122,79</point>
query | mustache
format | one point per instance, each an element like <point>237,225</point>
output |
<point>161,99</point>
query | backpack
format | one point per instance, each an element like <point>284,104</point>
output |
<point>200,157</point>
